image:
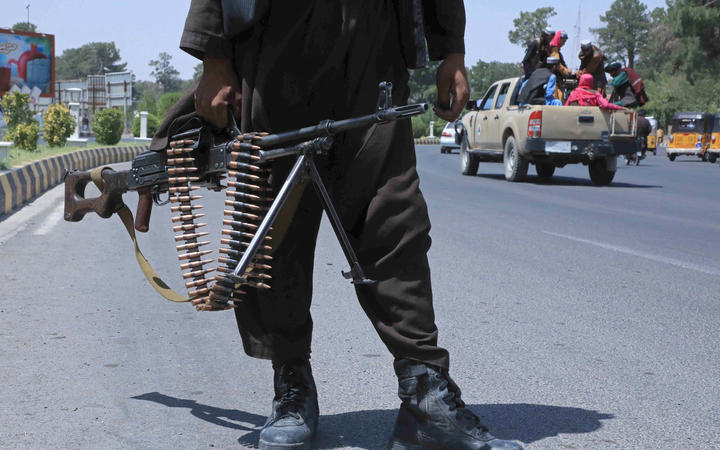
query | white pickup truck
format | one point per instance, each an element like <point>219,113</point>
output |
<point>498,129</point>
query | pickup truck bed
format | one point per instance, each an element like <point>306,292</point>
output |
<point>498,129</point>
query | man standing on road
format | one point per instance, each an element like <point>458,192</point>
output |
<point>286,65</point>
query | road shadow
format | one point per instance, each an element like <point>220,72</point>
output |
<point>370,429</point>
<point>568,181</point>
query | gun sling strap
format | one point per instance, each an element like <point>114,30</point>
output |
<point>127,219</point>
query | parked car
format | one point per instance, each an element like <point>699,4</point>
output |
<point>447,138</point>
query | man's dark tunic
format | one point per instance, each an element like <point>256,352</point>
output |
<point>307,61</point>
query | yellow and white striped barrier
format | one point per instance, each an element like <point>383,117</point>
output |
<point>21,184</point>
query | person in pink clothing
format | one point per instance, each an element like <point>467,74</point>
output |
<point>554,51</point>
<point>585,95</point>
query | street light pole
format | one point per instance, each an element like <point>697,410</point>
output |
<point>28,15</point>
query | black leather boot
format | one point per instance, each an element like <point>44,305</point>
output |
<point>294,417</point>
<point>432,415</point>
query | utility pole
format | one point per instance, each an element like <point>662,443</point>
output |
<point>28,15</point>
<point>578,28</point>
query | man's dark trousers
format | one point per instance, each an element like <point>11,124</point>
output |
<point>315,60</point>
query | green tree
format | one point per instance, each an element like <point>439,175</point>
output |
<point>25,26</point>
<point>17,109</point>
<point>165,102</point>
<point>94,58</point>
<point>197,71</point>
<point>483,74</point>
<point>164,72</point>
<point>422,84</point>
<point>656,56</point>
<point>626,30</point>
<point>108,126</point>
<point>529,25</point>
<point>695,23</point>
<point>148,103</point>
<point>58,125</point>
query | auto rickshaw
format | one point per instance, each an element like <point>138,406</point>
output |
<point>715,139</point>
<point>691,135</point>
<point>652,140</point>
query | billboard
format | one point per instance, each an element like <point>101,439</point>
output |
<point>27,63</point>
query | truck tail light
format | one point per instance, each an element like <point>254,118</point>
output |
<point>535,125</point>
<point>714,138</point>
<point>672,137</point>
<point>699,137</point>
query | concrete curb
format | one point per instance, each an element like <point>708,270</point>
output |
<point>21,184</point>
<point>427,141</point>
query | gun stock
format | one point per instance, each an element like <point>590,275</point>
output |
<point>105,205</point>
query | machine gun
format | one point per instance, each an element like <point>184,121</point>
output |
<point>203,158</point>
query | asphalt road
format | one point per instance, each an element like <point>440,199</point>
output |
<point>576,317</point>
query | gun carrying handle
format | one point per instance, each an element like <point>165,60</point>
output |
<point>144,208</point>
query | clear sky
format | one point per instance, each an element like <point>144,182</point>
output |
<point>143,29</point>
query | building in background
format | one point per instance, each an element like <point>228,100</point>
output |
<point>97,92</point>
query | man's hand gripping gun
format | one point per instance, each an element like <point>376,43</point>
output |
<point>203,158</point>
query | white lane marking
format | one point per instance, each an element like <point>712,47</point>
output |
<point>51,220</point>
<point>18,221</point>
<point>641,254</point>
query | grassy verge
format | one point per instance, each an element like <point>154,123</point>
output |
<point>18,157</point>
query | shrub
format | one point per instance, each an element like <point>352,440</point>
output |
<point>165,102</point>
<point>152,125</point>
<point>25,135</point>
<point>421,125</point>
<point>108,126</point>
<point>58,125</point>
<point>148,103</point>
<point>17,109</point>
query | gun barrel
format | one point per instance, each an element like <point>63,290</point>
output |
<point>333,127</point>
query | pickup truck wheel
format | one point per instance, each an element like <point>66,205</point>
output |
<point>671,157</point>
<point>544,170</point>
<point>468,162</point>
<point>712,158</point>
<point>600,175</point>
<point>516,166</point>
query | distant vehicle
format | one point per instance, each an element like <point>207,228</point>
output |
<point>714,150</point>
<point>447,138</point>
<point>652,140</point>
<point>498,129</point>
<point>691,135</point>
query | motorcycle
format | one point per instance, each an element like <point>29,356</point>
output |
<point>636,157</point>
